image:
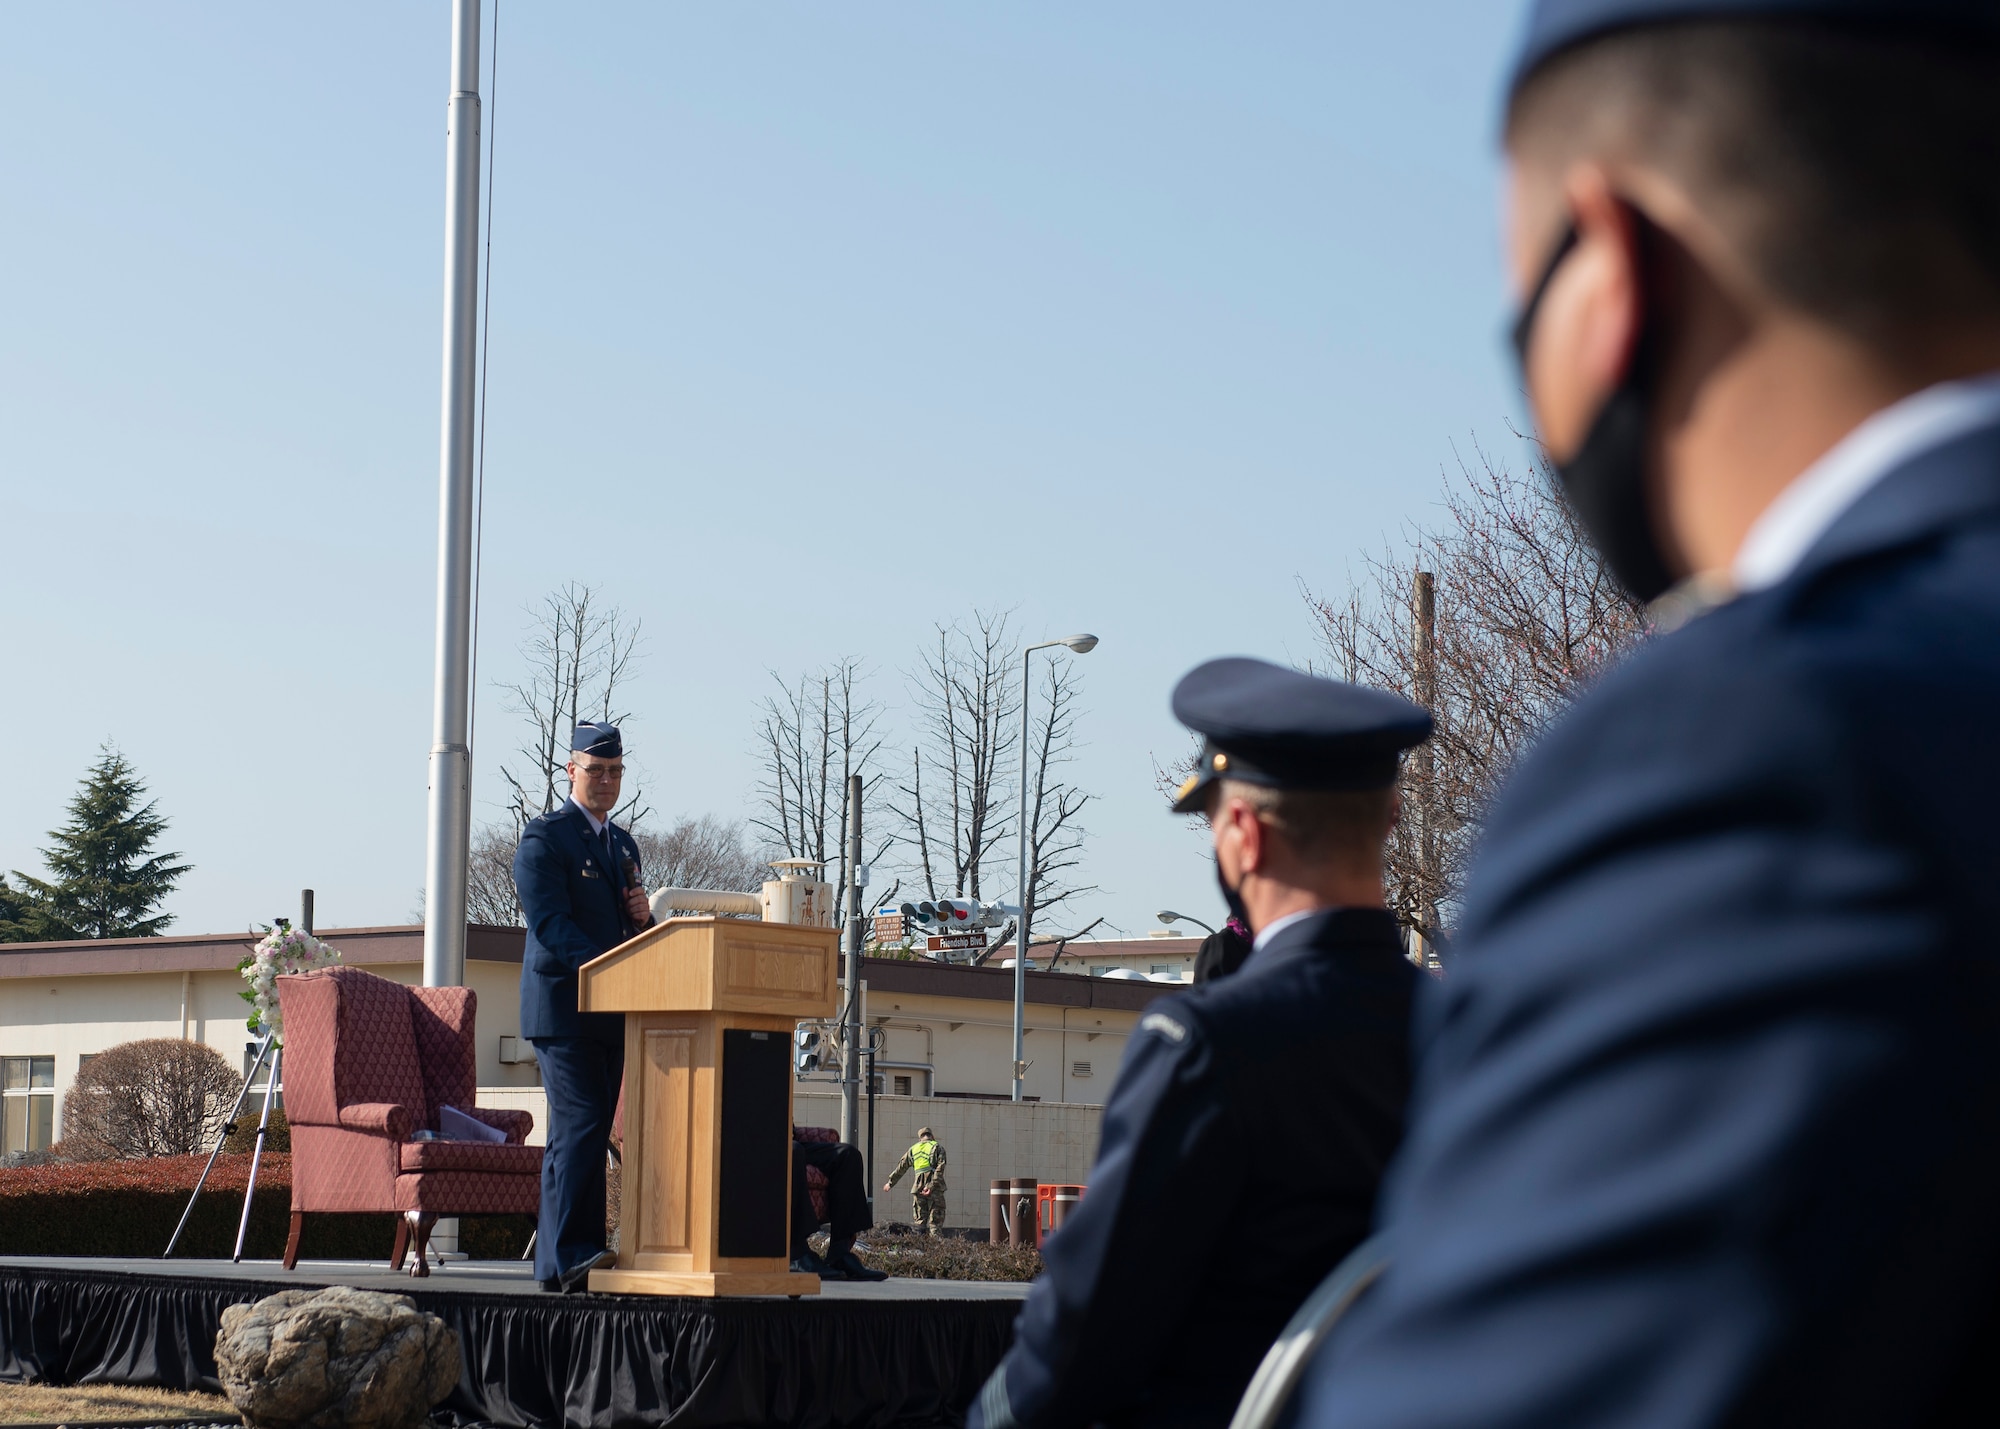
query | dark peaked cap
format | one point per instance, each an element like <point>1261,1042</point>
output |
<point>1264,724</point>
<point>1557,24</point>
<point>598,738</point>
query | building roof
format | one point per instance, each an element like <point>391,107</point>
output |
<point>1076,954</point>
<point>111,957</point>
<point>918,977</point>
<point>221,952</point>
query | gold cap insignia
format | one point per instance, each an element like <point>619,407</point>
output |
<point>1219,763</point>
<point>1187,787</point>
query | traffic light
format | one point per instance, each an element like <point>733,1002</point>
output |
<point>956,915</point>
<point>806,1050</point>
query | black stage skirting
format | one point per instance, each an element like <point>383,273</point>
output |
<point>532,1359</point>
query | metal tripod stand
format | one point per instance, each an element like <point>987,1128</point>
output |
<point>266,1047</point>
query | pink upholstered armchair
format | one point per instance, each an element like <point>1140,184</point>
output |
<point>368,1063</point>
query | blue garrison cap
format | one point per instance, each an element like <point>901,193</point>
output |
<point>1557,24</point>
<point>1265,724</point>
<point>602,740</point>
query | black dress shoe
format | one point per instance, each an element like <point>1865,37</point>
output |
<point>806,1263</point>
<point>850,1266</point>
<point>553,1285</point>
<point>576,1280</point>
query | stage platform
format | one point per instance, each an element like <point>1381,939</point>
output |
<point>899,1352</point>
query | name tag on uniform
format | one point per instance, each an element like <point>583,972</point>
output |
<point>589,872</point>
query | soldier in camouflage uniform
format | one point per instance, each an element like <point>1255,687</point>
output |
<point>926,1158</point>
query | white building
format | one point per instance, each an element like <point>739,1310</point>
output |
<point>947,1029</point>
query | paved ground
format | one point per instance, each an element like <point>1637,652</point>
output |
<point>497,1277</point>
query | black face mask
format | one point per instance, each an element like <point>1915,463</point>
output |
<point>1231,897</point>
<point>1605,478</point>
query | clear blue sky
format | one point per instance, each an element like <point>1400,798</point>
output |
<point>812,326</point>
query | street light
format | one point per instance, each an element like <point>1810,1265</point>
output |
<point>1168,916</point>
<point>1081,645</point>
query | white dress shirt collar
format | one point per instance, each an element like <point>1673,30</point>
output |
<point>1818,496</point>
<point>596,824</point>
<point>1272,929</point>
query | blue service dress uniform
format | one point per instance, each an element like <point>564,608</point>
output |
<point>1242,1147</point>
<point>572,884</point>
<point>1707,1119</point>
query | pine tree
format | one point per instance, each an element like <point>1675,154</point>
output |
<point>105,881</point>
<point>15,910</point>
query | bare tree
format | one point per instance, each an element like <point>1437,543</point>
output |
<point>704,852</point>
<point>578,655</point>
<point>955,811</point>
<point>158,1097</point>
<point>812,736</point>
<point>1055,835</point>
<point>490,895</point>
<point>1495,621</point>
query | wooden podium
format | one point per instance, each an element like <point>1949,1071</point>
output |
<point>710,1005</point>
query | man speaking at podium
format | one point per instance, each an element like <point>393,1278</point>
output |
<point>578,878</point>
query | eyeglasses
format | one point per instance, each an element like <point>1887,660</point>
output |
<point>604,772</point>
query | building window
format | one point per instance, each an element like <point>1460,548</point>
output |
<point>902,1086</point>
<point>1099,972</point>
<point>1165,970</point>
<point>1079,1069</point>
<point>27,1103</point>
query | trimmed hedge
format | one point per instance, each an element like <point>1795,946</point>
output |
<point>130,1208</point>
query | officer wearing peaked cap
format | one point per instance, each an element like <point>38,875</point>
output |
<point>1707,1121</point>
<point>1253,1116</point>
<point>577,875</point>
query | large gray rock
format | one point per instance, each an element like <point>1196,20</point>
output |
<point>335,1359</point>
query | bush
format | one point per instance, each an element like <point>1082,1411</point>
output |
<point>158,1097</point>
<point>129,1208</point>
<point>243,1140</point>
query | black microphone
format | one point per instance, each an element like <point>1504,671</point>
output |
<point>631,882</point>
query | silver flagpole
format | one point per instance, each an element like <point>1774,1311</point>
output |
<point>450,764</point>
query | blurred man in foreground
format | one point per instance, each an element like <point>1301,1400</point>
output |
<point>1253,1115</point>
<point>1707,1119</point>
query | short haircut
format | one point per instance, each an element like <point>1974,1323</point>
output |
<point>1856,173</point>
<point>1319,823</point>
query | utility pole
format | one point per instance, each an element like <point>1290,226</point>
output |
<point>850,1031</point>
<point>449,835</point>
<point>1423,626</point>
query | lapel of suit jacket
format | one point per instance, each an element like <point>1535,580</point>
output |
<point>1931,492</point>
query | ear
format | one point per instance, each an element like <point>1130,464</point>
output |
<point>1612,296</point>
<point>1587,330</point>
<point>1253,839</point>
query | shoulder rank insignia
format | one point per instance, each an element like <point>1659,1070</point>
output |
<point>1164,1025</point>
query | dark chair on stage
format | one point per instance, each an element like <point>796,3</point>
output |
<point>369,1063</point>
<point>815,1178</point>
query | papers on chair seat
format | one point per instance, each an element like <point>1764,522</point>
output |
<point>455,1125</point>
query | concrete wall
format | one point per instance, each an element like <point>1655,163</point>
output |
<point>72,1017</point>
<point>983,1141</point>
<point>1072,1052</point>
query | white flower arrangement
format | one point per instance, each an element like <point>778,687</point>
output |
<point>283,950</point>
